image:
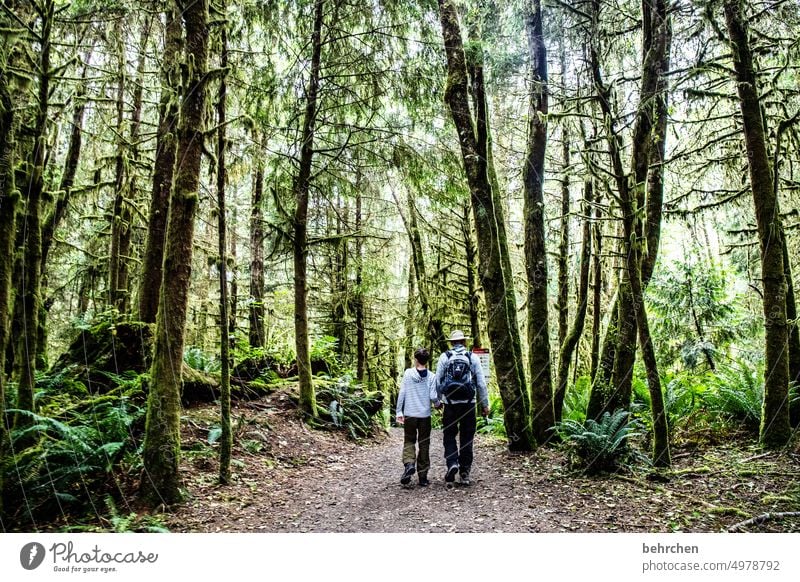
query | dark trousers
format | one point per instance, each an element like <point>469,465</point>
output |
<point>459,419</point>
<point>417,430</point>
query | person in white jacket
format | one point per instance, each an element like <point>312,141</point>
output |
<point>414,413</point>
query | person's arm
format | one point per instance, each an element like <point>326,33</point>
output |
<point>436,386</point>
<point>480,381</point>
<point>401,399</point>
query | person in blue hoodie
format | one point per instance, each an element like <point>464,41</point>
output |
<point>414,413</point>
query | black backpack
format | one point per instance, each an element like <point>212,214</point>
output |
<point>458,383</point>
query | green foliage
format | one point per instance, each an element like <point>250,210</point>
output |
<point>493,424</point>
<point>72,455</point>
<point>576,400</point>
<point>739,393</point>
<point>199,360</point>
<point>599,446</point>
<point>348,407</point>
<point>324,349</point>
<point>687,296</point>
<point>132,522</point>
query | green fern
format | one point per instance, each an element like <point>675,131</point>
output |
<point>739,393</point>
<point>70,458</point>
<point>348,406</point>
<point>599,446</point>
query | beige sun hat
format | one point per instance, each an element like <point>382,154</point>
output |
<point>457,335</point>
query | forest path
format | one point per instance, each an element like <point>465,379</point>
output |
<point>289,478</point>
<point>363,494</point>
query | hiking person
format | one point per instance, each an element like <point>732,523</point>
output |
<point>414,413</point>
<point>459,381</point>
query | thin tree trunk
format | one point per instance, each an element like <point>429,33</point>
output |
<point>435,335</point>
<point>501,332</point>
<point>163,168</point>
<point>257,236</point>
<point>408,344</point>
<point>611,386</point>
<point>775,430</point>
<point>361,323</point>
<point>597,292</point>
<point>471,256</point>
<point>535,247</point>
<point>161,453</point>
<point>576,329</point>
<point>121,214</point>
<point>794,337</point>
<point>226,439</point>
<point>308,399</point>
<point>563,247</point>
<point>233,301</point>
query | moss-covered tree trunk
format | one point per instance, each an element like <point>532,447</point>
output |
<point>161,453</point>
<point>360,307</point>
<point>9,198</point>
<point>775,430</point>
<point>597,292</point>
<point>535,247</point>
<point>794,337</point>
<point>570,342</point>
<point>611,386</point>
<point>563,244</point>
<point>308,399</point>
<point>434,327</point>
<point>471,263</point>
<point>29,290</point>
<point>163,168</point>
<point>474,157</point>
<point>121,212</point>
<point>256,334</point>
<point>226,439</point>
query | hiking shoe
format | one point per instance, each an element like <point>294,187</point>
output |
<point>465,478</point>
<point>406,478</point>
<point>423,481</point>
<point>450,476</point>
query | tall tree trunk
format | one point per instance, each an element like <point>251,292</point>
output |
<point>501,332</point>
<point>161,454</point>
<point>121,214</point>
<point>475,63</point>
<point>434,327</point>
<point>597,292</point>
<point>611,386</point>
<point>308,399</point>
<point>233,301</point>
<point>361,323</point>
<point>775,430</point>
<point>535,248</point>
<point>9,199</point>
<point>71,163</point>
<point>256,336</point>
<point>408,344</point>
<point>31,270</point>
<point>631,190</point>
<point>563,246</point>
<point>576,329</point>
<point>226,439</point>
<point>794,337</point>
<point>163,168</point>
<point>471,256</point>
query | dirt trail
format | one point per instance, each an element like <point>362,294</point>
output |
<point>288,478</point>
